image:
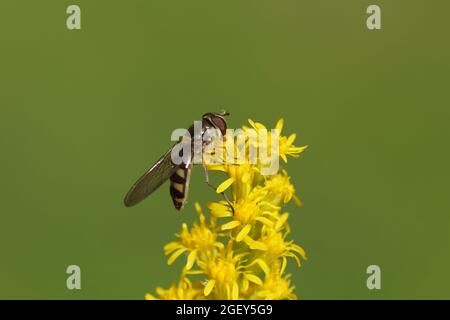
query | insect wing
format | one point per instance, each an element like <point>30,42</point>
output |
<point>151,180</point>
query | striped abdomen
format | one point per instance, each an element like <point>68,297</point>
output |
<point>179,186</point>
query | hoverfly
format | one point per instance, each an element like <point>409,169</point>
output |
<point>179,174</point>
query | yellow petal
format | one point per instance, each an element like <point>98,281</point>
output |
<point>175,255</point>
<point>248,240</point>
<point>297,200</point>
<point>283,265</point>
<point>292,297</point>
<point>243,233</point>
<point>235,292</point>
<point>172,246</point>
<point>255,245</point>
<point>281,221</point>
<point>300,250</point>
<point>198,208</point>
<point>298,149</point>
<point>245,285</point>
<point>260,126</point>
<point>187,281</point>
<point>258,245</point>
<point>292,154</point>
<point>287,197</point>
<point>291,139</point>
<point>254,279</point>
<point>272,214</point>
<point>191,259</point>
<point>219,245</point>
<point>160,291</point>
<point>224,185</point>
<point>209,287</point>
<point>256,125</point>
<point>270,205</point>
<point>230,225</point>
<point>263,266</point>
<point>149,296</point>
<point>297,259</point>
<point>283,157</point>
<point>218,210</point>
<point>194,272</point>
<point>265,221</point>
<point>280,124</point>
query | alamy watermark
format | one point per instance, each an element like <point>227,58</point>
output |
<point>73,281</point>
<point>374,280</point>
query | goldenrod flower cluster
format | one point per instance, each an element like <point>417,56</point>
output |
<point>240,252</point>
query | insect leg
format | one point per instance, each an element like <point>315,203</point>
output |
<point>222,193</point>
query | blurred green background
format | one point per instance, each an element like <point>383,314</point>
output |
<point>84,113</point>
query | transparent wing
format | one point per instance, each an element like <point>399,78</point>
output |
<point>151,180</point>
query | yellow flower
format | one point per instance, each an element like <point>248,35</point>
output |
<point>275,247</point>
<point>275,286</point>
<point>286,144</point>
<point>244,256</point>
<point>222,273</point>
<point>200,240</point>
<point>280,189</point>
<point>248,213</point>
<point>182,291</point>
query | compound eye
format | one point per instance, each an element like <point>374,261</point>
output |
<point>220,123</point>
